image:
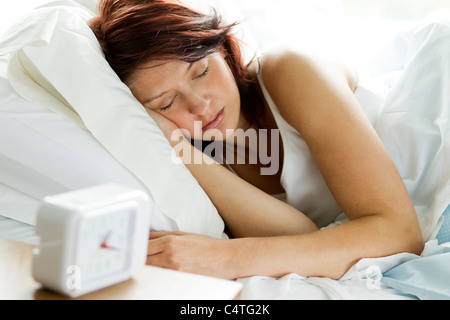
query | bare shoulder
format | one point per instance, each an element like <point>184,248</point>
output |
<point>298,81</point>
<point>287,67</point>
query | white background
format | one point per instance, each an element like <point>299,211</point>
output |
<point>352,30</point>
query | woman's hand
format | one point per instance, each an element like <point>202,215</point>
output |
<point>191,253</point>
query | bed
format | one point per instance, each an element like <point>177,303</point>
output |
<point>67,146</point>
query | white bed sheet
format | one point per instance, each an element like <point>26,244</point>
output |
<point>294,287</point>
<point>13,202</point>
<point>17,231</point>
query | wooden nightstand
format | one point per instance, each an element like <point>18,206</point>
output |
<point>150,283</point>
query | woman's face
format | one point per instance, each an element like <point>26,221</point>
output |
<point>197,96</point>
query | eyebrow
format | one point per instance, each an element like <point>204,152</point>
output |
<point>165,92</point>
<point>154,98</point>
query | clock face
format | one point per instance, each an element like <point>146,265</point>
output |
<point>104,244</point>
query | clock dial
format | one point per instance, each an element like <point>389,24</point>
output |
<point>104,244</point>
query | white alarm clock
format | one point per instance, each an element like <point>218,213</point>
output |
<point>91,238</point>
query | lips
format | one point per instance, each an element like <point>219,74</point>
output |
<point>217,120</point>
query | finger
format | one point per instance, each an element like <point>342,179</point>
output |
<point>160,234</point>
<point>156,260</point>
<point>164,260</point>
<point>155,246</point>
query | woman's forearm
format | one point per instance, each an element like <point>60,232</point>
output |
<point>270,231</point>
<point>246,210</point>
<point>325,253</point>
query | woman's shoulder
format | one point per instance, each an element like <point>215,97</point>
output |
<point>297,80</point>
<point>281,57</point>
<point>284,68</point>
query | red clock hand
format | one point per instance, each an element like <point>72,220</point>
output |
<point>104,244</point>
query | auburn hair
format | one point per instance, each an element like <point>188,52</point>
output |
<point>133,32</point>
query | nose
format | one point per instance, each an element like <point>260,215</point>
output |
<point>199,104</point>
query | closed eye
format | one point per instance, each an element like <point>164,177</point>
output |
<point>169,105</point>
<point>203,74</point>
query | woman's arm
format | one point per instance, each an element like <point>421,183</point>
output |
<point>246,210</point>
<point>317,100</point>
<point>316,97</point>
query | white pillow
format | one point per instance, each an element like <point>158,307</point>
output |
<point>43,154</point>
<point>56,62</point>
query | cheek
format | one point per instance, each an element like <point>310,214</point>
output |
<point>186,122</point>
<point>230,98</point>
<point>182,120</point>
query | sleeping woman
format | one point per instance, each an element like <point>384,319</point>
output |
<point>187,70</point>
